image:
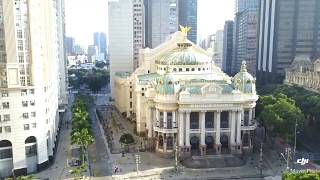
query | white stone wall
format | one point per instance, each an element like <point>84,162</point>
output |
<point>43,88</point>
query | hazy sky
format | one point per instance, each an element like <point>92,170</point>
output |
<point>84,17</point>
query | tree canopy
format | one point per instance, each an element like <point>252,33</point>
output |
<point>95,79</point>
<point>126,139</point>
<point>278,113</point>
<point>81,126</point>
<point>301,176</point>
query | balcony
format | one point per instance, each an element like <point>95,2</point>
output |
<point>250,126</point>
<point>165,130</point>
<point>224,129</point>
<point>210,130</point>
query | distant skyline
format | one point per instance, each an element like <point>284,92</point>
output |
<point>84,17</point>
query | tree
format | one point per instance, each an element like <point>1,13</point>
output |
<point>126,139</point>
<point>78,171</point>
<point>83,139</point>
<point>278,115</point>
<point>301,176</point>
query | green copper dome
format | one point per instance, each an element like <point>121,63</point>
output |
<point>165,85</point>
<point>244,81</point>
<point>183,55</point>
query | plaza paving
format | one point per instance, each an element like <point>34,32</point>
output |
<point>154,167</point>
<point>103,163</point>
<point>213,162</point>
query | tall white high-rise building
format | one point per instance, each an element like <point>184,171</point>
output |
<point>218,48</point>
<point>162,20</point>
<point>126,35</point>
<point>63,80</point>
<point>31,36</point>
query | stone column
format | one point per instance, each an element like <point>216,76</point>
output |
<point>165,119</point>
<point>253,113</point>
<point>165,142</point>
<point>174,120</point>
<point>157,118</point>
<point>250,116</point>
<point>181,129</point>
<point>242,117</point>
<point>239,128</point>
<point>233,131</point>
<point>217,141</point>
<point>203,132</point>
<point>187,133</point>
<point>149,121</point>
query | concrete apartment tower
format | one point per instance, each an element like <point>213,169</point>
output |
<point>245,35</point>
<point>31,36</point>
<point>218,48</point>
<point>227,47</point>
<point>126,35</point>
<point>63,80</point>
<point>162,20</point>
<point>287,29</point>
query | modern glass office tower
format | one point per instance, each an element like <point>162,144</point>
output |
<point>227,47</point>
<point>287,28</point>
<point>245,35</point>
<point>188,17</point>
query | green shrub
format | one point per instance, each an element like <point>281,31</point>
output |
<point>126,139</point>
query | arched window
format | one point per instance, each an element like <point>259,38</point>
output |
<point>5,149</point>
<point>31,146</point>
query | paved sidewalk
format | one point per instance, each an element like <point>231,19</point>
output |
<point>116,126</point>
<point>101,164</point>
<point>60,169</point>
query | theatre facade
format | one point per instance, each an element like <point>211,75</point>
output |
<point>179,98</point>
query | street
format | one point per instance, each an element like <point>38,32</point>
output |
<point>99,158</point>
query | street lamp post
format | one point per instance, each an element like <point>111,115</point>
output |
<point>261,161</point>
<point>262,133</point>
<point>13,175</point>
<point>287,157</point>
<point>295,140</point>
<point>138,161</point>
<point>176,158</point>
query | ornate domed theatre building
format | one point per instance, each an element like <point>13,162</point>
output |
<point>180,98</point>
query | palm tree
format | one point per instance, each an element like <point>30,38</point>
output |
<point>78,171</point>
<point>83,139</point>
<point>80,120</point>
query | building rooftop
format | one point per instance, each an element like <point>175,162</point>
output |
<point>123,74</point>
